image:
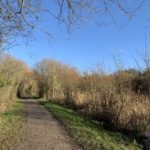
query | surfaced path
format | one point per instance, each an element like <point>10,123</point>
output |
<point>42,131</point>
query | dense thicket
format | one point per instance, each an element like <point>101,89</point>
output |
<point>11,73</point>
<point>57,81</point>
<point>120,99</point>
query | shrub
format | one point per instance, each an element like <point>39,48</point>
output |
<point>107,98</point>
<point>11,73</point>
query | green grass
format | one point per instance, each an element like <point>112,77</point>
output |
<point>91,135</point>
<point>10,125</point>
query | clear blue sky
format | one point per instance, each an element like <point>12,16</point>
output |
<point>88,44</point>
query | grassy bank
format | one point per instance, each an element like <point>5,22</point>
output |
<point>10,124</point>
<point>91,135</point>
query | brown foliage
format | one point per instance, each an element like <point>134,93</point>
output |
<point>11,73</point>
<point>108,98</point>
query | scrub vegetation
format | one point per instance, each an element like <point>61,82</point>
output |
<point>116,103</point>
<point>90,134</point>
<point>11,73</point>
<point>120,99</point>
<point>11,116</point>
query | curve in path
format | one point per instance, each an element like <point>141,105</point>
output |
<point>42,131</point>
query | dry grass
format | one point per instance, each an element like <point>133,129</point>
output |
<point>123,109</point>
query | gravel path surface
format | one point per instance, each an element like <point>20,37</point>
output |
<point>42,131</point>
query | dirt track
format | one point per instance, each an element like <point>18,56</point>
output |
<point>42,131</point>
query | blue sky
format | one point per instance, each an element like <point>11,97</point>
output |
<point>89,43</point>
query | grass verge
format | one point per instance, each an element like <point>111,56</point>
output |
<point>89,134</point>
<point>10,124</point>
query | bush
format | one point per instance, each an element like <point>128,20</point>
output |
<point>141,85</point>
<point>11,73</point>
<point>108,98</point>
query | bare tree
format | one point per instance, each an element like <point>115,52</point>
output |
<point>142,58</point>
<point>19,17</point>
